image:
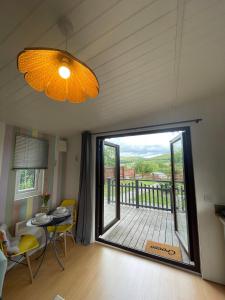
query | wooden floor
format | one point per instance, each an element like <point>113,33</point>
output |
<point>98,272</point>
<point>137,225</point>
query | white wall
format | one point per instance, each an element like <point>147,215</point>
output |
<point>58,174</point>
<point>2,135</point>
<point>72,169</point>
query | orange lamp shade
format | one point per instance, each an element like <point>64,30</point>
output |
<point>59,74</point>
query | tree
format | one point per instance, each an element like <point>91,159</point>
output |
<point>139,166</point>
<point>109,156</point>
<point>178,160</point>
<point>144,167</point>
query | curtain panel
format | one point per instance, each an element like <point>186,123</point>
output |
<point>84,220</point>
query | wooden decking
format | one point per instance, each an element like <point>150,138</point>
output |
<point>137,225</point>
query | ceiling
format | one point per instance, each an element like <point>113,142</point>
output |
<point>147,55</point>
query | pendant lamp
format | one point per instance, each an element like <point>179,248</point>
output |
<point>57,73</point>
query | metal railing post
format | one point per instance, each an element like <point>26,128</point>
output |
<point>137,193</point>
<point>108,188</point>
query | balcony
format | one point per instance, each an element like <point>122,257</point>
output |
<point>145,214</point>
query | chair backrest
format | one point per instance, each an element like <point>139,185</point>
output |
<point>68,202</point>
<point>73,204</point>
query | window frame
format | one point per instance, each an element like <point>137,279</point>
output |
<point>31,192</point>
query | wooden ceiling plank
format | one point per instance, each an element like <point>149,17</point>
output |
<point>148,34</point>
<point>136,51</point>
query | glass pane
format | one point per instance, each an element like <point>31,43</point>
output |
<point>109,184</point>
<point>26,179</point>
<point>180,196</point>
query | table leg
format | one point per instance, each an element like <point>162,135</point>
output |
<point>53,243</point>
<point>42,255</point>
<point>46,244</point>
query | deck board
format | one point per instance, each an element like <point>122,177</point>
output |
<point>137,230</point>
<point>169,239</point>
<point>143,236</point>
<point>127,231</point>
<point>137,225</point>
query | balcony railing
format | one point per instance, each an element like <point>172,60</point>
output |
<point>141,193</point>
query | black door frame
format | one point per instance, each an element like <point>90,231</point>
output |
<point>103,228</point>
<point>193,223</point>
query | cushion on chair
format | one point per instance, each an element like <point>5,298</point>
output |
<point>14,246</point>
<point>27,243</point>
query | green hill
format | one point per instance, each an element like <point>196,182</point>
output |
<point>133,159</point>
<point>160,163</point>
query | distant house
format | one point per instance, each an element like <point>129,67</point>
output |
<point>124,172</point>
<point>127,173</point>
<point>158,175</point>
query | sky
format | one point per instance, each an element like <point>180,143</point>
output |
<point>147,145</point>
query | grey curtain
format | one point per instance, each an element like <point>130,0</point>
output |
<point>84,220</point>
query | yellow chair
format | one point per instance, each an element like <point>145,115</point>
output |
<point>65,230</point>
<point>26,244</point>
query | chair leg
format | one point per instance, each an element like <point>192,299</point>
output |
<point>64,237</point>
<point>72,237</point>
<point>29,266</point>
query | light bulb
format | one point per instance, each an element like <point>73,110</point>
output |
<point>64,72</point>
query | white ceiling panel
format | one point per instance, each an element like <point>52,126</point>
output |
<point>147,55</point>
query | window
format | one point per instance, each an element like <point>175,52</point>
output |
<point>30,161</point>
<point>29,182</point>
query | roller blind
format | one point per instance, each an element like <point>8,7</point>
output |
<point>30,153</point>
